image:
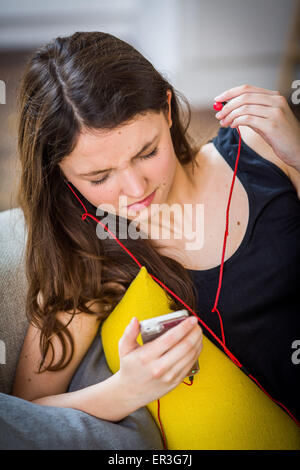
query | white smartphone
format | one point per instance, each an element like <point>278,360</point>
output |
<point>154,327</point>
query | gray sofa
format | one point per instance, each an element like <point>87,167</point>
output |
<point>26,425</point>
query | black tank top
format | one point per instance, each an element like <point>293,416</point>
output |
<point>260,295</point>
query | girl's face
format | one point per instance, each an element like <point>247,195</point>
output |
<point>110,167</point>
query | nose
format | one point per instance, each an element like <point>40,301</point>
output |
<point>134,185</point>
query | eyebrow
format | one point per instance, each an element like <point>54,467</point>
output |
<point>97,172</point>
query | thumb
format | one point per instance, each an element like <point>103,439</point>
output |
<point>128,342</point>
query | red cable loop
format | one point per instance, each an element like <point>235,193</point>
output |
<point>214,309</point>
<point>162,430</point>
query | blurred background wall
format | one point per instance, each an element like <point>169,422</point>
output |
<point>202,47</point>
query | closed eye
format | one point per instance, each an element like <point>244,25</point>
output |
<point>142,157</point>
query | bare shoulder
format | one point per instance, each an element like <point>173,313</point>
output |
<point>208,163</point>
<point>28,383</point>
<point>206,157</point>
<point>208,154</point>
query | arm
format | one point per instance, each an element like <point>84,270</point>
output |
<point>105,400</point>
<point>260,146</point>
<point>28,383</point>
<point>49,388</point>
<point>268,115</point>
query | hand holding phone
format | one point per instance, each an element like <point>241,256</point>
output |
<point>156,326</point>
<point>152,370</point>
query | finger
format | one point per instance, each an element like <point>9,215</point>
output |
<point>238,90</point>
<point>260,125</point>
<point>182,367</point>
<point>248,99</point>
<point>191,343</point>
<point>247,109</point>
<point>128,342</point>
<point>163,343</point>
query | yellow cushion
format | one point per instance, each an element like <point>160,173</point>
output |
<point>223,409</point>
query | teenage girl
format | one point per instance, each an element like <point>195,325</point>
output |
<point>96,116</point>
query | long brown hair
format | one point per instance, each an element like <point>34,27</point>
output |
<point>87,80</point>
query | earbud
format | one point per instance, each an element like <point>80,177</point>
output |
<point>218,105</point>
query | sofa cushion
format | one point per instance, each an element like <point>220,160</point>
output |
<point>13,288</point>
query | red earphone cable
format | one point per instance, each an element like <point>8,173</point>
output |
<point>214,309</point>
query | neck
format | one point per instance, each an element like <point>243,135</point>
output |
<point>183,187</point>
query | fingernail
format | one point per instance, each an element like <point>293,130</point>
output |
<point>130,324</point>
<point>194,320</point>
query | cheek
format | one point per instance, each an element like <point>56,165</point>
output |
<point>166,168</point>
<point>164,164</point>
<point>97,195</point>
<point>161,171</point>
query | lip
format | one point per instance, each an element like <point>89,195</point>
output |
<point>144,203</point>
